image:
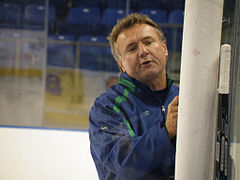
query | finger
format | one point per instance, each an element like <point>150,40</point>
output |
<point>173,109</point>
<point>173,115</point>
<point>175,101</point>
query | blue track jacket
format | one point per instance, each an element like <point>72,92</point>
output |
<point>128,138</point>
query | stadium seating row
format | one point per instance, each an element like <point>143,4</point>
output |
<point>81,39</point>
<point>33,17</point>
<point>103,4</point>
<point>88,52</point>
<point>133,4</point>
<point>91,19</point>
<point>94,53</point>
<point>81,19</point>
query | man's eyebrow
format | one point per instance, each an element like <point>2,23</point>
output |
<point>147,38</point>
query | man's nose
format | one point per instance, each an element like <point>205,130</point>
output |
<point>143,50</point>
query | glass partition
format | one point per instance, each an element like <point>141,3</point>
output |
<point>55,58</point>
<point>22,62</point>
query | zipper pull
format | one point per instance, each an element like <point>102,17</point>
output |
<point>162,124</point>
<point>163,109</point>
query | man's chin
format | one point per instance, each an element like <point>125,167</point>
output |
<point>148,76</point>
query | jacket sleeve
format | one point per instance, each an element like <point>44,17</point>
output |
<point>124,155</point>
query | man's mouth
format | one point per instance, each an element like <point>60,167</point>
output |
<point>145,63</point>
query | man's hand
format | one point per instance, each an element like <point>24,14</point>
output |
<point>172,115</point>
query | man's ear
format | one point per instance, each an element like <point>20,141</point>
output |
<point>119,62</point>
<point>165,48</point>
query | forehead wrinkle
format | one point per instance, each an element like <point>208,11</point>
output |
<point>134,35</point>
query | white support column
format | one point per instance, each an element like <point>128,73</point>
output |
<point>198,90</point>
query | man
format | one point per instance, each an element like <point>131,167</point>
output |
<point>132,126</point>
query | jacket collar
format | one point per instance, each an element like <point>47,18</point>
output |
<point>131,83</point>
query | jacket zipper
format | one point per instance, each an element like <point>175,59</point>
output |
<point>163,113</point>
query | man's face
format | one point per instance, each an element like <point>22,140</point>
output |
<point>142,53</point>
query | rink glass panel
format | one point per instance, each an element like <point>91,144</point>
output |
<point>51,71</point>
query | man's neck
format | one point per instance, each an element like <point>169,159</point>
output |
<point>158,83</point>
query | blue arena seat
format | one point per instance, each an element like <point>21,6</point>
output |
<point>174,34</point>
<point>174,39</point>
<point>90,51</point>
<point>176,17</point>
<point>108,62</point>
<point>83,15</point>
<point>80,20</point>
<point>61,51</point>
<point>10,15</point>
<point>95,54</point>
<point>34,16</point>
<point>110,17</point>
<point>93,46</point>
<point>157,15</point>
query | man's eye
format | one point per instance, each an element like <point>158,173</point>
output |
<point>131,49</point>
<point>147,42</point>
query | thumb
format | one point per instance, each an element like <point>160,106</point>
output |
<point>175,101</point>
